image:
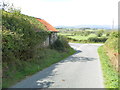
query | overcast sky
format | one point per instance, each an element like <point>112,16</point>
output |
<point>71,12</point>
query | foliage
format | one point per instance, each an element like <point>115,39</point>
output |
<point>99,33</point>
<point>111,46</point>
<point>4,5</point>
<point>20,36</point>
<point>108,33</point>
<point>92,38</point>
<point>112,42</point>
<point>21,57</point>
<point>82,33</point>
<point>60,44</point>
<point>115,34</point>
<point>96,39</point>
<point>43,59</point>
<point>109,73</point>
<point>85,36</point>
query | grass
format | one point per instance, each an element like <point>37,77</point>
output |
<point>79,37</point>
<point>21,57</point>
<point>109,73</point>
<point>44,59</point>
<point>91,38</point>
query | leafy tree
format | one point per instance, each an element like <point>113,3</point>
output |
<point>99,33</point>
<point>4,5</point>
<point>107,33</point>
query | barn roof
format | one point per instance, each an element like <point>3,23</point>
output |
<point>47,25</point>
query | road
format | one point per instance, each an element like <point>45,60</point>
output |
<point>80,70</point>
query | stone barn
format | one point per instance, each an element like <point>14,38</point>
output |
<point>53,33</point>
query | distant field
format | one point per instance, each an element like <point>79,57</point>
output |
<point>78,37</point>
<point>85,36</point>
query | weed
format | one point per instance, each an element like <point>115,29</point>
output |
<point>109,73</point>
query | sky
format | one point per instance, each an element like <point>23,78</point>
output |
<point>71,12</point>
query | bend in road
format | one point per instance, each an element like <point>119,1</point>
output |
<point>80,70</point>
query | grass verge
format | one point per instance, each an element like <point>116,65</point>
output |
<point>109,73</point>
<point>22,69</point>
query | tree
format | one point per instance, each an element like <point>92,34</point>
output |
<point>100,33</point>
<point>4,5</point>
<point>9,7</point>
<point>107,33</point>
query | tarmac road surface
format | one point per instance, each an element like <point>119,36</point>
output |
<point>80,70</point>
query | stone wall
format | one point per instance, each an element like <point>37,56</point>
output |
<point>46,42</point>
<point>50,39</point>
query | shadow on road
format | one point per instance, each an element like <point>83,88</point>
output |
<point>77,51</point>
<point>77,58</point>
<point>44,81</point>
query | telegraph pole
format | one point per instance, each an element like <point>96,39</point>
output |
<point>113,24</point>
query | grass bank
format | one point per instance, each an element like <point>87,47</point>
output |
<point>22,69</point>
<point>23,53</point>
<point>109,73</point>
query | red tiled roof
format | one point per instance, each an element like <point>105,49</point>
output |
<point>47,25</point>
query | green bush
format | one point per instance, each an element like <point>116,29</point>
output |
<point>99,33</point>
<point>107,33</point>
<point>21,33</point>
<point>113,41</point>
<point>96,39</point>
<point>60,44</point>
<point>114,34</point>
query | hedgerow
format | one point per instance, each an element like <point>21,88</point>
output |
<point>96,39</point>
<point>61,44</point>
<point>22,50</point>
<point>113,41</point>
<point>20,35</point>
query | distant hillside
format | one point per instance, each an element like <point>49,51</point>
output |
<point>89,26</point>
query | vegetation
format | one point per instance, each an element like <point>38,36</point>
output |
<point>96,39</point>
<point>109,73</point>
<point>109,54</point>
<point>60,44</point>
<point>20,33</point>
<point>100,33</point>
<point>86,36</point>
<point>21,56</point>
<point>22,69</point>
<point>112,42</point>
